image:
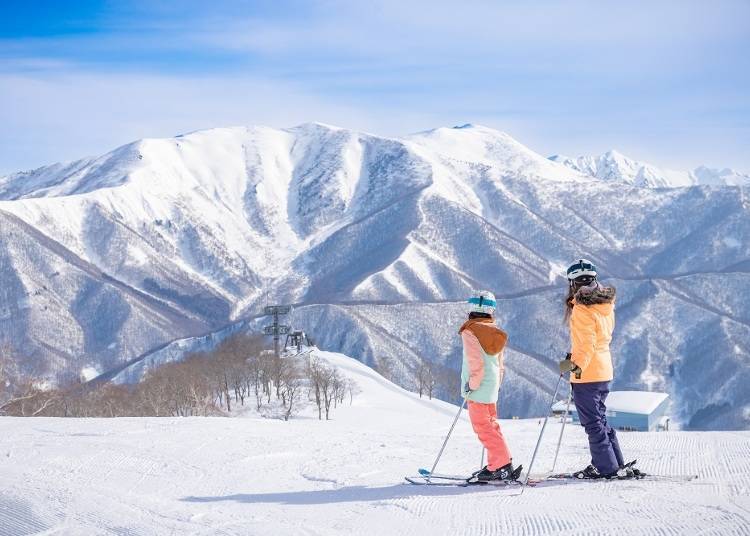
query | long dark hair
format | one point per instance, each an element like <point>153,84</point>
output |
<point>569,301</point>
<point>573,287</point>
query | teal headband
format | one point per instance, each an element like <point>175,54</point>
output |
<point>481,301</point>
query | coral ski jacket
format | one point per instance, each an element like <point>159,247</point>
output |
<point>591,324</point>
<point>482,366</point>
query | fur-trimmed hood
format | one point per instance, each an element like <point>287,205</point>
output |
<point>491,337</point>
<point>594,294</point>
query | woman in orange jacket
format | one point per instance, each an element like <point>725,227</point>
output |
<point>590,309</point>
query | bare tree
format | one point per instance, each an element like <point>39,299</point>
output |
<point>153,394</point>
<point>29,400</point>
<point>447,381</point>
<point>6,363</point>
<point>267,360</point>
<point>428,380</point>
<point>8,373</point>
<point>291,381</point>
<point>202,384</point>
<point>326,386</point>
<point>385,367</point>
<point>423,378</point>
<point>315,373</point>
<point>331,383</point>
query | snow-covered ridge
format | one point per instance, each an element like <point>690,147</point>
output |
<point>614,166</point>
<point>378,240</point>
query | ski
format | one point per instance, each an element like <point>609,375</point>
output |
<point>426,477</point>
<point>671,478</point>
<point>498,483</point>
<point>426,473</point>
<point>426,481</point>
<point>576,477</point>
<point>438,479</point>
<point>421,480</point>
<point>636,474</point>
<point>571,477</point>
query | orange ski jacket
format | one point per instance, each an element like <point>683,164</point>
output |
<point>591,329</point>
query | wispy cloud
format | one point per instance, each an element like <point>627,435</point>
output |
<point>664,80</point>
<point>63,116</point>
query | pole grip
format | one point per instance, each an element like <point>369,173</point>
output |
<point>569,356</point>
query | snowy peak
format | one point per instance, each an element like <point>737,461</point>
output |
<point>78,177</point>
<point>613,166</point>
<point>484,146</point>
<point>726,176</point>
<point>616,167</point>
<point>322,169</point>
<point>339,173</point>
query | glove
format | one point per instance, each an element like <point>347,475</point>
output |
<point>567,365</point>
<point>467,389</point>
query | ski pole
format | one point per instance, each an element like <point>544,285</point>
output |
<point>481,462</point>
<point>434,465</point>
<point>541,433</point>
<point>565,420</point>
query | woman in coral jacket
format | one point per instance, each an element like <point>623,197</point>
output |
<point>590,309</point>
<point>481,375</point>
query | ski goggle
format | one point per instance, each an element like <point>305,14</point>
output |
<point>582,280</point>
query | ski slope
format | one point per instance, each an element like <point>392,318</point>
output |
<point>266,477</point>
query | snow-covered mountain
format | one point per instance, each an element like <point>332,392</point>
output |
<point>249,475</point>
<point>614,166</point>
<point>378,241</point>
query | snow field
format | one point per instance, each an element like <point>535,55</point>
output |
<point>345,476</point>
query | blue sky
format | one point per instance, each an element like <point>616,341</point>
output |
<point>666,82</point>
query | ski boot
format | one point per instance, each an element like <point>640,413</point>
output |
<point>506,473</point>
<point>590,472</point>
<point>629,471</point>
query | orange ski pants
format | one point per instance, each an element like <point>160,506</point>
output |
<point>484,422</point>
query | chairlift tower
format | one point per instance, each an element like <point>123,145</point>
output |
<point>276,329</point>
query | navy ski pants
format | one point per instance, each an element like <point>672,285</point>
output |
<point>589,399</point>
